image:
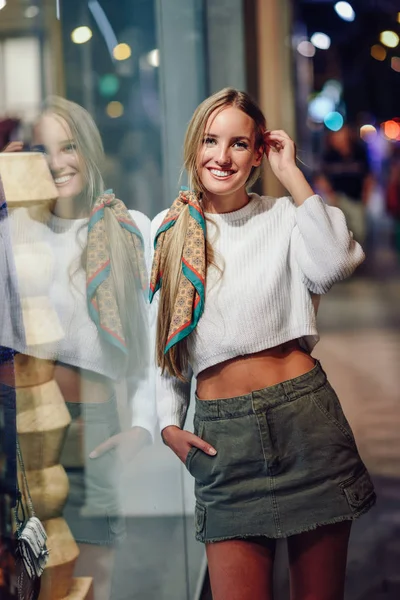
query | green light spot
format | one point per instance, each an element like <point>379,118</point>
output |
<point>108,85</point>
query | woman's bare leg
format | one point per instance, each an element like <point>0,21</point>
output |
<point>241,569</point>
<point>317,562</point>
<point>96,562</point>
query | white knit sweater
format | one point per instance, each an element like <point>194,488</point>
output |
<point>52,286</point>
<point>274,256</point>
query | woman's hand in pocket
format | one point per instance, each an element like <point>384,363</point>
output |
<point>181,441</point>
<point>127,443</point>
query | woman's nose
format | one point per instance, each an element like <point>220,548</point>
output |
<point>223,156</point>
<point>56,162</point>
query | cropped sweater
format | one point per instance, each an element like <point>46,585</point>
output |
<point>274,257</point>
<point>52,287</point>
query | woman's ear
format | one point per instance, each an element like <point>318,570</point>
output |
<point>258,156</point>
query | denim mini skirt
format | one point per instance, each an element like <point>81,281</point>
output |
<point>286,463</point>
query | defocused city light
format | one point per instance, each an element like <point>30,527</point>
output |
<point>81,35</point>
<point>395,63</point>
<point>31,12</point>
<point>306,48</point>
<point>319,107</point>
<point>115,109</point>
<point>366,131</point>
<point>345,11</point>
<point>153,58</point>
<point>391,129</point>
<point>389,38</point>
<point>333,89</point>
<point>122,52</point>
<point>109,85</point>
<point>321,40</point>
<point>398,17</point>
<point>378,52</point>
<point>334,121</point>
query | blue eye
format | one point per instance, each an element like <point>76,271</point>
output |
<point>242,145</point>
<point>38,148</point>
<point>69,147</point>
<point>209,141</point>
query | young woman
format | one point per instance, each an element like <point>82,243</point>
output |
<point>272,453</point>
<point>97,286</point>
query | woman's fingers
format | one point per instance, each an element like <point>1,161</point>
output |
<point>14,147</point>
<point>279,133</point>
<point>202,445</point>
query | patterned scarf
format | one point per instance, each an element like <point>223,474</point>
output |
<point>189,303</point>
<point>101,299</point>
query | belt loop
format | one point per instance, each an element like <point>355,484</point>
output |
<point>287,389</point>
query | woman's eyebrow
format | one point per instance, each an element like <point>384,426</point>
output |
<point>235,138</point>
<point>241,137</point>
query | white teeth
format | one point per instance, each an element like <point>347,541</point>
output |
<point>220,173</point>
<point>62,179</point>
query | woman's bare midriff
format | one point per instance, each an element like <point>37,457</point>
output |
<point>244,374</point>
<point>79,385</point>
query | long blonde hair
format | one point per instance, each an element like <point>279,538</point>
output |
<point>128,293</point>
<point>175,361</point>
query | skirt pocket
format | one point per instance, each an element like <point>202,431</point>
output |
<point>198,430</point>
<point>327,402</point>
<point>359,492</point>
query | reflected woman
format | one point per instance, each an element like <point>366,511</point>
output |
<point>97,290</point>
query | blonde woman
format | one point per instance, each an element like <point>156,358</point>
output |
<point>272,453</point>
<point>97,287</point>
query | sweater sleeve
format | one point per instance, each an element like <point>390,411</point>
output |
<point>323,246</point>
<point>141,389</point>
<point>173,397</point>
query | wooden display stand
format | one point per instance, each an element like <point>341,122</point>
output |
<point>42,417</point>
<point>42,423</point>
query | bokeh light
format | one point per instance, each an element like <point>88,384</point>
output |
<point>333,89</point>
<point>345,11</point>
<point>391,129</point>
<point>366,131</point>
<point>122,52</point>
<point>334,121</point>
<point>115,109</point>
<point>153,58</point>
<point>378,52</point>
<point>81,35</point>
<point>2,4</point>
<point>31,12</point>
<point>395,63</point>
<point>319,107</point>
<point>306,48</point>
<point>389,38</point>
<point>109,85</point>
<point>321,40</point>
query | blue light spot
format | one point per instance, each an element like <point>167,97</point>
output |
<point>334,121</point>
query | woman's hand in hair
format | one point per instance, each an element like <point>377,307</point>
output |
<point>14,147</point>
<point>281,152</point>
<point>127,443</point>
<point>181,441</point>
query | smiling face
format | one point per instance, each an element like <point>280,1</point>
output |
<point>53,136</point>
<point>228,153</point>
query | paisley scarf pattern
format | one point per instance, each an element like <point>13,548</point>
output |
<point>189,303</point>
<point>102,303</point>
